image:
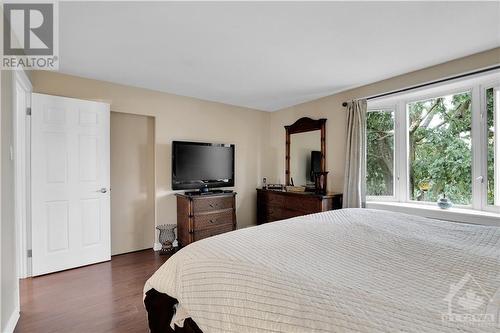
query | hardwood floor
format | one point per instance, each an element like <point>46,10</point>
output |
<point>104,297</point>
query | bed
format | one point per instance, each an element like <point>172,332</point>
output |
<point>350,270</point>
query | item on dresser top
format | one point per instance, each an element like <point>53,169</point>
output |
<point>202,165</point>
<point>275,187</point>
<point>310,188</point>
<point>295,188</point>
<point>320,182</point>
<point>209,192</point>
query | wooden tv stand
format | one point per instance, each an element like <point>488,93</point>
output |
<point>202,216</point>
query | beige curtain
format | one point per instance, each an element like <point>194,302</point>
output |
<point>354,177</point>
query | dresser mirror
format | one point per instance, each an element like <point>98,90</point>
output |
<point>305,153</point>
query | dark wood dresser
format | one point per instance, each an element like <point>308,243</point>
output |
<point>202,216</point>
<point>280,205</point>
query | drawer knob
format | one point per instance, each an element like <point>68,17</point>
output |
<point>213,205</point>
<point>212,221</point>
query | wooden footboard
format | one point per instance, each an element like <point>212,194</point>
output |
<point>161,309</point>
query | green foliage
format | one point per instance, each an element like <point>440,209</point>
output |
<point>380,150</point>
<point>490,106</point>
<point>440,148</point>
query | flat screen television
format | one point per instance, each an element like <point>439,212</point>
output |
<point>197,165</point>
<point>315,164</point>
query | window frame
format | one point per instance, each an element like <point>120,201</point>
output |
<point>477,85</point>
<point>484,86</point>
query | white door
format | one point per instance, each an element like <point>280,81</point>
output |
<point>70,183</point>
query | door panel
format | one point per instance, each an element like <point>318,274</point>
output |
<point>69,166</point>
<point>57,157</point>
<point>57,226</point>
<point>88,149</point>
<point>54,115</point>
<point>91,222</point>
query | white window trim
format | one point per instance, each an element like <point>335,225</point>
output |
<point>453,214</point>
<point>477,85</point>
<point>495,84</point>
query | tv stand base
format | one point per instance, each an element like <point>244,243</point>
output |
<point>207,192</point>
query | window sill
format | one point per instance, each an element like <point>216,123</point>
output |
<point>453,214</point>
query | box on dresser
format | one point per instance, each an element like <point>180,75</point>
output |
<point>202,216</point>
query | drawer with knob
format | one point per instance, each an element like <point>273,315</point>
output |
<point>200,234</point>
<point>213,220</point>
<point>207,204</point>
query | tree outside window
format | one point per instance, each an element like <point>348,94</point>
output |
<point>440,148</point>
<point>380,153</point>
<point>492,121</point>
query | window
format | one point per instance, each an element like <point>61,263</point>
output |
<point>440,151</point>
<point>380,153</point>
<point>493,139</point>
<point>434,142</point>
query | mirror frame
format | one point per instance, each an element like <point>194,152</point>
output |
<point>302,125</point>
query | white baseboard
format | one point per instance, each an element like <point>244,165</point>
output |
<point>11,324</point>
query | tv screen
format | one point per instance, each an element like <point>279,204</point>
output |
<point>315,164</point>
<point>198,165</point>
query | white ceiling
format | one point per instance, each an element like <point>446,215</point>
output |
<point>267,56</point>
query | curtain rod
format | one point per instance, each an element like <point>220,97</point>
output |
<point>431,83</point>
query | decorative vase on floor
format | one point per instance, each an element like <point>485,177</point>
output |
<point>166,238</point>
<point>444,202</point>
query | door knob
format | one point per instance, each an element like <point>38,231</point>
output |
<point>103,190</point>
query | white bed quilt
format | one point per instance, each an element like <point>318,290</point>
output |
<point>351,270</point>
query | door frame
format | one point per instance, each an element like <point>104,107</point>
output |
<point>156,246</point>
<point>22,182</point>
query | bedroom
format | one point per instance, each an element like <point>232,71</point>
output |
<point>295,108</point>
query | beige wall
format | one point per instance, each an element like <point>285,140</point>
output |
<point>132,182</point>
<point>259,136</point>
<point>180,118</point>
<point>330,107</point>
